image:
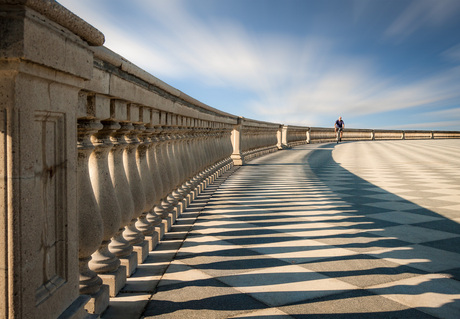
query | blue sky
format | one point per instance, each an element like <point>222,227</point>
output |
<point>376,63</point>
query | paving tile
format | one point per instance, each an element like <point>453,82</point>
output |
<point>413,234</point>
<point>363,242</point>
<point>356,304</point>
<point>362,270</point>
<point>270,313</point>
<point>443,224</point>
<point>286,284</point>
<point>420,257</point>
<point>229,260</point>
<point>299,251</point>
<point>451,244</point>
<point>207,298</point>
<point>126,306</point>
<point>405,217</point>
<point>432,293</point>
<point>397,206</point>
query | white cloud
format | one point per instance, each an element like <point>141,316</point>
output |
<point>448,114</point>
<point>422,13</point>
<point>445,125</point>
<point>291,80</point>
<point>452,54</point>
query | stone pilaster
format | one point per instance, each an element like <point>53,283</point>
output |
<point>44,61</point>
<point>236,156</point>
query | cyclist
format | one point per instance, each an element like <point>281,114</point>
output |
<point>339,126</point>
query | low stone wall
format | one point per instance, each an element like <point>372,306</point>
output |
<point>100,157</point>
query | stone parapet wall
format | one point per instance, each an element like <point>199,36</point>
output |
<point>99,159</point>
<point>258,138</point>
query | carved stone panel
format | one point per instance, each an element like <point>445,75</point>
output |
<point>52,219</point>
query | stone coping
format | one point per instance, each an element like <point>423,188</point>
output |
<point>59,14</point>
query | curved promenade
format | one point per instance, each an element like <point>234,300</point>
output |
<point>355,230</point>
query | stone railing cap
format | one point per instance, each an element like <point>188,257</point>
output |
<point>107,55</point>
<point>62,16</point>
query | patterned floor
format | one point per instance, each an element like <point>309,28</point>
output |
<point>355,230</point>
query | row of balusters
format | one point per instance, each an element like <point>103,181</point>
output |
<point>256,139</point>
<point>131,178</point>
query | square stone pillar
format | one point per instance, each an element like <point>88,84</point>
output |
<point>236,156</point>
<point>43,65</point>
<point>283,142</point>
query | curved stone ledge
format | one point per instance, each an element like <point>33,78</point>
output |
<point>131,72</point>
<point>59,14</point>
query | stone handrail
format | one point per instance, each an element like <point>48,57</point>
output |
<point>99,159</point>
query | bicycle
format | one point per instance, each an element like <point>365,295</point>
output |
<point>338,137</point>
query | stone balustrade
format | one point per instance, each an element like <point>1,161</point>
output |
<point>253,138</point>
<point>100,158</point>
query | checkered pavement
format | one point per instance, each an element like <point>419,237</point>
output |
<point>355,230</point>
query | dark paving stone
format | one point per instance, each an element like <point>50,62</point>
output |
<point>364,223</point>
<point>208,298</point>
<point>423,211</point>
<point>450,244</point>
<point>260,240</point>
<point>362,242</point>
<point>453,273</point>
<point>362,270</point>
<point>446,225</point>
<point>357,304</point>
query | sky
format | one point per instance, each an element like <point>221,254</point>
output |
<point>385,64</point>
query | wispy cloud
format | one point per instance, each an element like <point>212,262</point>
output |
<point>421,13</point>
<point>452,54</point>
<point>289,79</point>
<point>452,114</point>
<point>446,125</point>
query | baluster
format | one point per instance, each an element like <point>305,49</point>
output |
<point>184,156</point>
<point>132,234</point>
<point>191,167</point>
<point>143,223</point>
<point>179,192</point>
<point>119,245</point>
<point>195,151</point>
<point>208,156</point>
<point>157,171</point>
<point>204,159</point>
<point>89,220</point>
<point>104,262</point>
<point>174,173</point>
<point>164,209</point>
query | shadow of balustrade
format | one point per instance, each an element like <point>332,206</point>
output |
<point>296,235</point>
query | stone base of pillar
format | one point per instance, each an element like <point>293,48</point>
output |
<point>167,222</point>
<point>142,251</point>
<point>115,280</point>
<point>186,201</point>
<point>180,208</point>
<point>130,263</point>
<point>161,230</point>
<point>191,196</point>
<point>198,190</point>
<point>237,160</point>
<point>77,309</point>
<point>152,240</point>
<point>99,301</point>
<point>176,212</point>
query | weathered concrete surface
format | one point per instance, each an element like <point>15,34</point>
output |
<point>355,230</point>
